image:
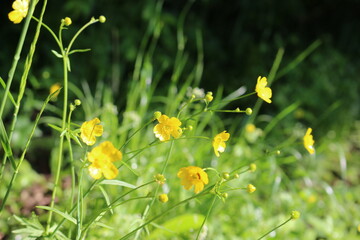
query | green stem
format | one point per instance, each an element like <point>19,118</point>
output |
<point>17,55</point>
<point>61,144</point>
<point>148,207</point>
<point>163,213</point>
<point>23,153</point>
<point>206,217</point>
<point>28,64</point>
<point>274,229</point>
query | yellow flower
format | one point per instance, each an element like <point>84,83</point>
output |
<point>251,188</point>
<point>309,141</point>
<point>53,89</point>
<point>20,11</point>
<point>89,130</point>
<point>163,198</point>
<point>250,128</point>
<point>101,158</point>
<point>166,127</point>
<point>193,176</point>
<point>295,214</point>
<point>263,92</point>
<point>219,142</point>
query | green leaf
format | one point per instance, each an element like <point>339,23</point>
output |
<point>56,54</point>
<point>79,50</point>
<point>75,138</point>
<point>55,127</point>
<point>4,139</point>
<point>117,183</point>
<point>178,225</point>
<point>107,199</point>
<point>63,214</point>
<point>10,95</point>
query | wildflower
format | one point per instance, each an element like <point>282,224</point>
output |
<point>309,141</point>
<point>219,142</point>
<point>55,87</point>
<point>252,167</point>
<point>160,179</point>
<point>193,176</point>
<point>163,198</point>
<point>166,127</point>
<point>89,130</point>
<point>20,11</point>
<point>67,21</point>
<point>295,215</point>
<point>102,158</point>
<point>251,188</point>
<point>250,128</point>
<point>263,92</point>
<point>209,97</point>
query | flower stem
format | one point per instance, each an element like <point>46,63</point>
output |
<point>206,217</point>
<point>274,229</point>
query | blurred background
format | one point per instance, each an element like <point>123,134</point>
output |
<point>236,41</point>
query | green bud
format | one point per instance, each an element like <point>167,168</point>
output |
<point>225,175</point>
<point>67,21</point>
<point>295,215</point>
<point>77,102</point>
<point>157,114</point>
<point>248,111</point>
<point>102,19</point>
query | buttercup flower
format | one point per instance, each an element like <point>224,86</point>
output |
<point>309,141</point>
<point>166,127</point>
<point>163,198</point>
<point>89,130</point>
<point>295,214</point>
<point>20,11</point>
<point>251,188</point>
<point>219,142</point>
<point>102,158</point>
<point>193,176</point>
<point>53,89</point>
<point>262,91</point>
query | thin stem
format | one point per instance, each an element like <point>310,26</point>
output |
<point>206,217</point>
<point>23,153</point>
<point>274,229</point>
<point>61,144</point>
<point>17,56</point>
<point>163,213</point>
<point>148,207</point>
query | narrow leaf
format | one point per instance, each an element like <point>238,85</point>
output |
<point>3,84</point>
<point>79,50</point>
<point>63,214</point>
<point>117,183</point>
<point>107,199</point>
<point>56,54</point>
<point>4,139</point>
<point>55,127</point>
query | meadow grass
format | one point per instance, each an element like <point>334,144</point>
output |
<point>263,151</point>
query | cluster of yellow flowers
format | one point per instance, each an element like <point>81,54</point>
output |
<point>102,156</point>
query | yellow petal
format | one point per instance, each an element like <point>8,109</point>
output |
<point>110,171</point>
<point>94,172</point>
<point>15,16</point>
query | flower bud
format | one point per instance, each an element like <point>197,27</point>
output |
<point>67,21</point>
<point>237,110</point>
<point>209,97</point>
<point>72,107</point>
<point>225,195</point>
<point>225,175</point>
<point>157,114</point>
<point>251,188</point>
<point>190,128</point>
<point>252,167</point>
<point>248,111</point>
<point>102,19</point>
<point>77,102</point>
<point>160,179</point>
<point>295,215</point>
<point>163,198</point>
